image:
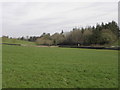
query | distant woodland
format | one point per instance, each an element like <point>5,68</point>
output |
<point>101,34</point>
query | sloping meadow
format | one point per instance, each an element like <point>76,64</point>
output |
<point>47,67</point>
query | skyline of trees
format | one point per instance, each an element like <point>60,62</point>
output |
<point>104,33</point>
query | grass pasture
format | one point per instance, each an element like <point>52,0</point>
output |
<point>45,67</point>
<point>15,41</point>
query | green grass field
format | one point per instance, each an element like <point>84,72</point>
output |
<point>45,67</point>
<point>15,41</point>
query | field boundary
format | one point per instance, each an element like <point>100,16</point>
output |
<point>11,44</point>
<point>90,47</point>
<point>86,47</point>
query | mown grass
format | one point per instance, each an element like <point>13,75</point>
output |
<point>44,67</point>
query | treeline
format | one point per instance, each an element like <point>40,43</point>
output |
<point>101,34</point>
<point>31,38</point>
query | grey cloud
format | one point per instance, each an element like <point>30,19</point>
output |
<point>24,19</point>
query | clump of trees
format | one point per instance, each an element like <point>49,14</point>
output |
<point>47,39</point>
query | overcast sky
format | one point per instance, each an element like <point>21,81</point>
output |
<point>34,18</point>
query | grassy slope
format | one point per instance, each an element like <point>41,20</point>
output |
<point>15,41</point>
<point>59,67</point>
<point>0,66</point>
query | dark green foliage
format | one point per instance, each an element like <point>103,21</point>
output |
<point>62,32</point>
<point>100,35</point>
